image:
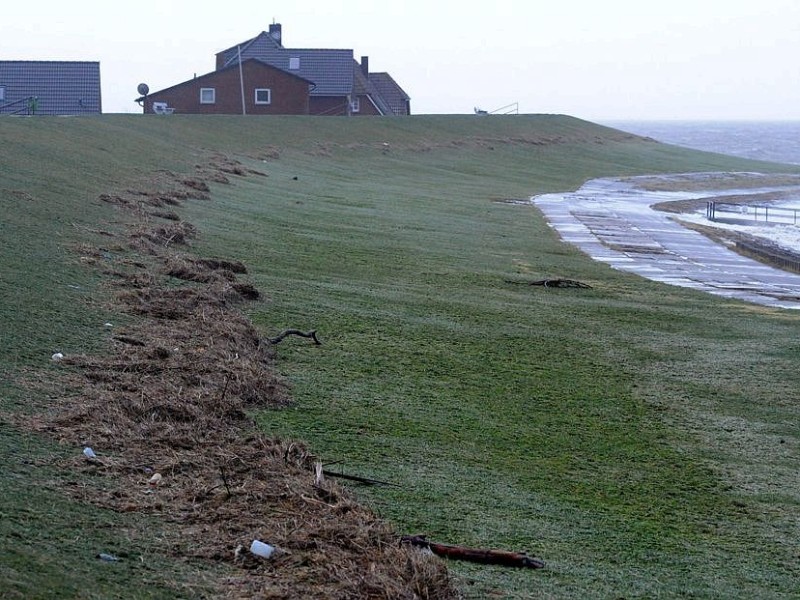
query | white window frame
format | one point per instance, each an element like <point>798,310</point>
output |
<point>205,92</point>
<point>355,105</point>
<point>269,96</point>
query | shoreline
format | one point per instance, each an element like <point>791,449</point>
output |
<point>613,221</point>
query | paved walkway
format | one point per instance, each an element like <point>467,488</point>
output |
<point>613,222</point>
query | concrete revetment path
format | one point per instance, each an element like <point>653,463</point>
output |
<point>612,221</point>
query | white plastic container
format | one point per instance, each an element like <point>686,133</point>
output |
<point>261,549</point>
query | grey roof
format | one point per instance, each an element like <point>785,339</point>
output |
<point>391,93</point>
<point>61,87</point>
<point>330,70</point>
<point>363,86</point>
<point>263,41</point>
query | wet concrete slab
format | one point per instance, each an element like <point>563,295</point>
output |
<point>612,221</point>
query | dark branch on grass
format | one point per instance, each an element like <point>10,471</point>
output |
<point>311,334</point>
<point>225,388</point>
<point>131,341</point>
<point>486,557</point>
<point>224,480</point>
<point>554,283</point>
<point>364,480</point>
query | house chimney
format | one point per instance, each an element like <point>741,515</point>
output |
<point>365,66</point>
<point>275,33</point>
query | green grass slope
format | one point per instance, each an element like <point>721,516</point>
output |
<point>641,439</point>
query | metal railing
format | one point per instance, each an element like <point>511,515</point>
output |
<point>783,259</point>
<point>509,109</point>
<point>24,106</point>
<point>751,213</point>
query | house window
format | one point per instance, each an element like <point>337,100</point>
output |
<point>355,105</point>
<point>294,63</point>
<point>208,95</point>
<point>2,93</point>
<point>263,96</point>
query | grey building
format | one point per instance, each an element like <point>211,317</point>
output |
<point>45,87</point>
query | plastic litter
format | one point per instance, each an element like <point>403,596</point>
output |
<point>57,357</point>
<point>108,325</point>
<point>261,549</point>
<point>107,557</point>
<point>89,453</point>
<point>155,479</point>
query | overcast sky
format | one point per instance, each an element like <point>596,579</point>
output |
<point>594,59</point>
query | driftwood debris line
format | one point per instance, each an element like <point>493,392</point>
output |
<point>311,334</point>
<point>186,415</point>
<point>554,283</point>
<point>486,557</point>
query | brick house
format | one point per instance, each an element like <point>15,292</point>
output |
<point>49,87</point>
<point>263,88</point>
<point>343,86</point>
<point>336,84</point>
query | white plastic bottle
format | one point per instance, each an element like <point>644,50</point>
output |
<point>261,549</point>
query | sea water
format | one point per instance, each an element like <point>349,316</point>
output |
<point>774,141</point>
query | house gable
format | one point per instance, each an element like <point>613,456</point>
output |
<point>267,90</point>
<point>60,87</point>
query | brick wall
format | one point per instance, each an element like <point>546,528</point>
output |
<point>289,94</point>
<point>328,105</point>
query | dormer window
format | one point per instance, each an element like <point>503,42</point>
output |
<point>2,93</point>
<point>294,63</point>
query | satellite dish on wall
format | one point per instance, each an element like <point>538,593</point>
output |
<point>143,89</point>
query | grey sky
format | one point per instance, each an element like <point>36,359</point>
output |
<point>594,59</point>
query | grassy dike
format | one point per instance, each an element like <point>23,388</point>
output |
<point>641,439</point>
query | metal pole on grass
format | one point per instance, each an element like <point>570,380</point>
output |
<point>241,79</point>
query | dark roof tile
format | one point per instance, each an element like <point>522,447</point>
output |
<point>62,87</point>
<point>331,70</point>
<point>392,93</point>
